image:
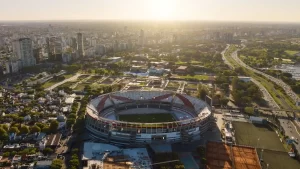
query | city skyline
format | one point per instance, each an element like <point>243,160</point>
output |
<point>214,10</point>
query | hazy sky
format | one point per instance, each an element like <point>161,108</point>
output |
<point>221,10</point>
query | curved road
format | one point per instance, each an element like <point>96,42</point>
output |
<point>279,82</point>
<point>266,94</point>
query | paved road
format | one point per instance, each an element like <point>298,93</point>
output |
<point>279,82</point>
<point>62,82</point>
<point>266,94</point>
<point>290,130</point>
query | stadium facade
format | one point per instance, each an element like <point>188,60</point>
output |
<point>191,117</point>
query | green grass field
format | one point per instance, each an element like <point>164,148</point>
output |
<point>80,87</point>
<point>198,77</point>
<point>67,84</point>
<point>94,79</point>
<point>173,84</point>
<point>277,159</point>
<point>147,118</point>
<point>291,52</point>
<point>50,83</point>
<point>248,134</point>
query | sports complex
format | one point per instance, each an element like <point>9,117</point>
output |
<point>143,117</point>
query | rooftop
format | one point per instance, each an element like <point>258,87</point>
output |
<point>222,156</point>
<point>182,68</point>
<point>94,153</point>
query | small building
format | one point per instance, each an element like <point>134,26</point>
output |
<point>244,78</point>
<point>181,70</point>
<point>257,120</point>
<point>43,165</point>
<point>27,118</point>
<point>4,162</point>
<point>51,141</point>
<point>114,59</point>
<point>138,69</point>
<point>69,100</point>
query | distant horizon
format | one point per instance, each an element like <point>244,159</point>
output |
<point>274,11</point>
<point>150,20</point>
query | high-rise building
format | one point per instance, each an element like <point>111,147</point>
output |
<point>54,48</point>
<point>74,44</point>
<point>80,45</point>
<point>37,54</point>
<point>23,49</point>
<point>142,38</point>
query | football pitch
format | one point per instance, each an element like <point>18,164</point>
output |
<point>147,118</point>
<point>257,135</point>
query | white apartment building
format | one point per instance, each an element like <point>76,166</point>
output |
<point>23,49</point>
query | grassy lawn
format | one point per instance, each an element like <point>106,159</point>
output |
<point>108,81</point>
<point>291,52</point>
<point>50,83</point>
<point>80,87</point>
<point>198,77</point>
<point>181,63</point>
<point>248,134</point>
<point>147,118</point>
<point>194,62</point>
<point>277,159</point>
<point>94,79</point>
<point>173,84</point>
<point>191,86</point>
<point>67,76</point>
<point>67,84</point>
<point>82,77</point>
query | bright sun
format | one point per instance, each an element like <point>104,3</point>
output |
<point>163,9</point>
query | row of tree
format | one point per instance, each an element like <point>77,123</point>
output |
<point>245,93</point>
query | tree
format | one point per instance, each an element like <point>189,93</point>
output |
<point>234,83</point>
<point>53,126</point>
<point>4,126</point>
<point>47,151</point>
<point>3,134</point>
<point>56,164</point>
<point>249,110</point>
<point>24,129</point>
<point>14,130</point>
<point>202,92</point>
<point>35,129</point>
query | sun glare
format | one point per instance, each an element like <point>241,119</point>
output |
<point>163,9</point>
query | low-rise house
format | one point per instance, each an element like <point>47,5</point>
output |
<point>43,165</point>
<point>27,118</point>
<point>51,141</point>
<point>16,159</point>
<point>181,70</point>
<point>4,162</point>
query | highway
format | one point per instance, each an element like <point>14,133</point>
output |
<point>291,131</point>
<point>266,94</point>
<point>287,89</point>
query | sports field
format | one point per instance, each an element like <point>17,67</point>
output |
<point>257,135</point>
<point>277,160</point>
<point>147,118</point>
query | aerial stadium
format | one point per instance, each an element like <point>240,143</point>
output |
<point>145,117</point>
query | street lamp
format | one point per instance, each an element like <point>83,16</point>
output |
<point>267,166</point>
<point>257,142</point>
<point>261,155</point>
